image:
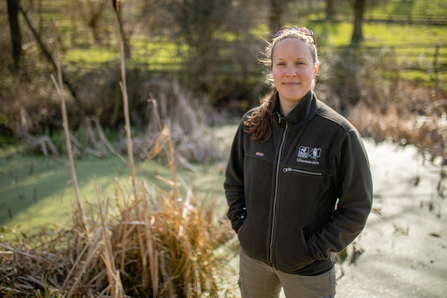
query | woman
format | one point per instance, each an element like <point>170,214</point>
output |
<point>298,182</point>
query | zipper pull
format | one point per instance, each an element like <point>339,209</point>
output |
<point>280,118</point>
<point>287,170</point>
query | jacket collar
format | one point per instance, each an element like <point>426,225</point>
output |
<point>301,113</point>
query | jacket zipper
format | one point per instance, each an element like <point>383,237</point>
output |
<point>276,192</point>
<point>302,172</point>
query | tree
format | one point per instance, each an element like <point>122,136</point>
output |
<point>330,9</point>
<point>125,38</point>
<point>359,9</point>
<point>45,52</point>
<point>198,22</point>
<point>91,13</point>
<point>16,36</point>
<point>221,51</point>
<point>276,14</point>
<point>309,4</point>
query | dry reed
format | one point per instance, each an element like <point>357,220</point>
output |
<point>184,250</point>
<point>188,119</point>
<point>152,245</point>
<point>67,132</point>
<point>397,124</point>
<point>90,138</point>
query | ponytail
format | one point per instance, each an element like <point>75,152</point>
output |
<point>259,124</point>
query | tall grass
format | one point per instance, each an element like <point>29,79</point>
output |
<point>185,250</point>
<point>157,242</point>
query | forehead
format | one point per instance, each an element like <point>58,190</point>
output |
<point>291,47</point>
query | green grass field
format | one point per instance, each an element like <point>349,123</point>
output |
<point>414,8</point>
<point>404,36</point>
<point>160,53</point>
<point>411,44</point>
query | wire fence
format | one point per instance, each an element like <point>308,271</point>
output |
<point>425,63</point>
<point>406,19</point>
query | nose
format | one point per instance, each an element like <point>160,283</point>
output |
<point>290,71</point>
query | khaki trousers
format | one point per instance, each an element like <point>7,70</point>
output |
<point>259,280</point>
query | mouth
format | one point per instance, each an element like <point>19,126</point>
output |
<point>290,84</point>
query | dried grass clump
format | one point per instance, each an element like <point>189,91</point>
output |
<point>187,117</point>
<point>189,131</point>
<point>398,124</point>
<point>152,243</point>
<point>40,144</point>
<point>34,144</point>
<point>90,138</point>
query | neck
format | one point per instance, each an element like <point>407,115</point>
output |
<point>285,107</point>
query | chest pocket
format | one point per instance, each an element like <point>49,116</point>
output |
<point>302,172</point>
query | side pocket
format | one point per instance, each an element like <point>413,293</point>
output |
<point>245,219</point>
<point>238,220</point>
<point>291,254</point>
<point>303,241</point>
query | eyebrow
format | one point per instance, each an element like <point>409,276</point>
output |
<point>299,58</point>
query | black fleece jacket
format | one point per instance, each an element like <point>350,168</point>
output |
<point>304,194</point>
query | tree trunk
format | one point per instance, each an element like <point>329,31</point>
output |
<point>330,9</point>
<point>73,25</point>
<point>359,9</point>
<point>16,36</point>
<point>39,12</point>
<point>276,14</point>
<point>45,51</point>
<point>94,17</point>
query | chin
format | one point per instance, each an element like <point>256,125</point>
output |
<point>294,96</point>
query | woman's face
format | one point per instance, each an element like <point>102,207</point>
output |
<point>293,70</point>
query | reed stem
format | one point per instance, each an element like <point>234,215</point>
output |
<point>67,132</point>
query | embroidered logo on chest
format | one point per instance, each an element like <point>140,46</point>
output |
<point>307,152</point>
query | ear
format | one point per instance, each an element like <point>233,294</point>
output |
<point>270,67</point>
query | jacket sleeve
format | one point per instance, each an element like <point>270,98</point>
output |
<point>354,191</point>
<point>234,180</point>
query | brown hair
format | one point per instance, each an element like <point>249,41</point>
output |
<point>259,123</point>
